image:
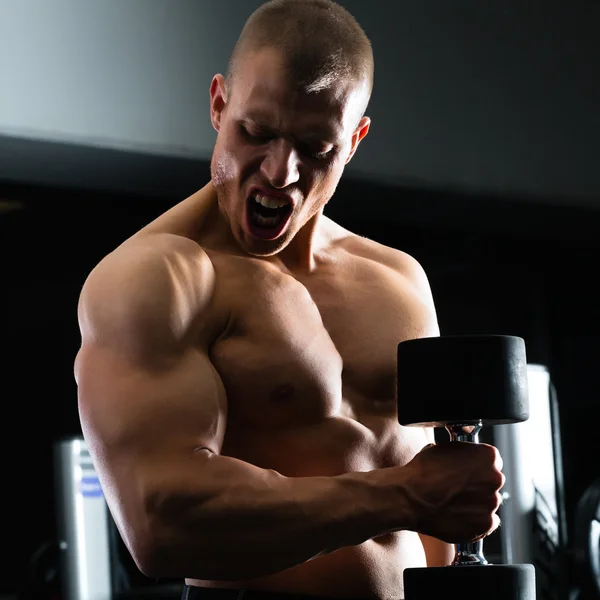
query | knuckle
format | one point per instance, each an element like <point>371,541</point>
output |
<point>497,479</point>
<point>496,501</point>
<point>491,503</point>
<point>495,522</point>
<point>502,479</point>
<point>494,453</point>
<point>498,462</point>
<point>491,522</point>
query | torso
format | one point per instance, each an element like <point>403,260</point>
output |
<point>309,366</point>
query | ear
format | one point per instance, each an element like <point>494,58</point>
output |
<point>218,100</point>
<point>359,133</point>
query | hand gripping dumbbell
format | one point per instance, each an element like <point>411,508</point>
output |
<point>461,383</point>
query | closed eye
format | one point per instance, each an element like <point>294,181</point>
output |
<point>318,153</point>
<point>314,151</point>
<point>259,137</point>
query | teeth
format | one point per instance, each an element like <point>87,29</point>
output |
<point>267,221</point>
<point>270,202</point>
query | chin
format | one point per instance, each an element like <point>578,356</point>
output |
<point>264,249</point>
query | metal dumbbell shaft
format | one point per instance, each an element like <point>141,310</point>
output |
<point>467,553</point>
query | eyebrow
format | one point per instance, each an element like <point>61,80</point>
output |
<point>325,134</point>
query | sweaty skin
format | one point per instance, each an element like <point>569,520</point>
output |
<point>238,396</point>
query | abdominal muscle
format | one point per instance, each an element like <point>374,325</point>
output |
<point>372,569</point>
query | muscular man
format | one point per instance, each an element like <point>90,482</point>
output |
<point>237,369</point>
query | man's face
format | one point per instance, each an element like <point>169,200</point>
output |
<point>280,152</point>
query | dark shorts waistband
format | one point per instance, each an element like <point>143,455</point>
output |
<point>201,593</point>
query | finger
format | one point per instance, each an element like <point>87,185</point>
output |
<point>498,462</point>
<point>502,480</point>
<point>496,523</point>
<point>494,455</point>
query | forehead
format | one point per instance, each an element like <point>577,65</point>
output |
<point>264,91</point>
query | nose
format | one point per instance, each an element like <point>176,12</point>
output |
<point>280,165</point>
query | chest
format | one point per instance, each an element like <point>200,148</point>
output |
<point>308,350</point>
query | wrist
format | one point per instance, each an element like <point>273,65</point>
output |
<point>383,495</point>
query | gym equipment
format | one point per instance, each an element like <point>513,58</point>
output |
<point>94,562</point>
<point>534,516</point>
<point>586,543</point>
<point>82,519</point>
<point>462,382</point>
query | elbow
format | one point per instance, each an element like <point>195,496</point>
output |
<point>161,539</point>
<point>161,561</point>
<point>157,545</point>
<point>142,545</point>
<point>145,558</point>
<point>144,536</point>
<point>154,564</point>
<point>159,557</point>
<point>153,559</point>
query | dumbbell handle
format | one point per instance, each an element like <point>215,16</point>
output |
<point>467,553</point>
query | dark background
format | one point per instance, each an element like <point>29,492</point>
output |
<point>496,265</point>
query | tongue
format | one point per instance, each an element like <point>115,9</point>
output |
<point>267,223</point>
<point>270,230</point>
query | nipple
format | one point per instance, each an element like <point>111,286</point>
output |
<point>283,392</point>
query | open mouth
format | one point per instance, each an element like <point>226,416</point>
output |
<point>267,217</point>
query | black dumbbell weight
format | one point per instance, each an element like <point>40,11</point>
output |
<point>462,383</point>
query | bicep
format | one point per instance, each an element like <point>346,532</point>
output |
<point>127,407</point>
<point>148,394</point>
<point>417,298</point>
<point>143,428</point>
<point>143,372</point>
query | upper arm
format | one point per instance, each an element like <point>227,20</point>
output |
<point>148,394</point>
<point>415,275</point>
<point>437,553</point>
<point>417,296</point>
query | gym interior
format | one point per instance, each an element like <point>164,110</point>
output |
<point>481,163</point>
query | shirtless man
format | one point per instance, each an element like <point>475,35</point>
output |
<point>237,369</point>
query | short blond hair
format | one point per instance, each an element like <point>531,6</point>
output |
<point>320,40</point>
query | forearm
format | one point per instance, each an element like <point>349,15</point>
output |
<point>243,522</point>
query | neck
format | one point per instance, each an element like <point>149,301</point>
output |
<point>187,218</point>
<point>299,255</point>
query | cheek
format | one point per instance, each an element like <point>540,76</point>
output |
<point>223,166</point>
<point>325,181</point>
<point>322,188</point>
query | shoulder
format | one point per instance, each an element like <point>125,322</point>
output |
<point>397,261</point>
<point>153,284</point>
<point>152,260</point>
<point>364,247</point>
<point>402,280</point>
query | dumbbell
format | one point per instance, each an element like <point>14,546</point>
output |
<point>462,382</point>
